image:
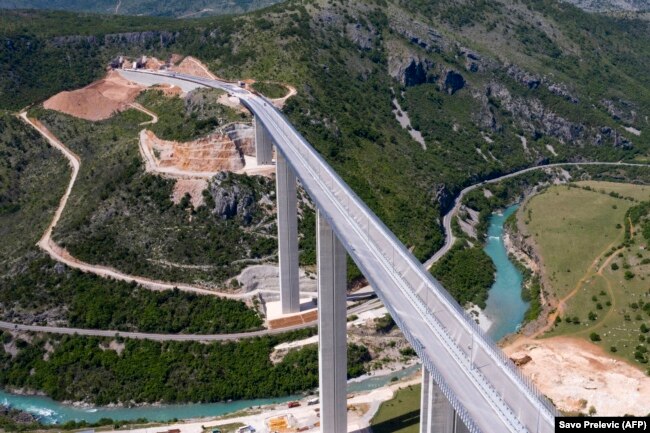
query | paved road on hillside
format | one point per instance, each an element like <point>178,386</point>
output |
<point>9,326</point>
<point>487,391</point>
<point>450,239</point>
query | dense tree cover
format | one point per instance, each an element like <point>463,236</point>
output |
<point>88,301</point>
<point>184,119</point>
<point>467,273</point>
<point>640,215</point>
<point>270,90</point>
<point>86,369</point>
<point>186,8</point>
<point>34,289</point>
<point>33,177</point>
<point>123,217</point>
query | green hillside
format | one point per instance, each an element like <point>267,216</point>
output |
<point>492,85</point>
<point>185,8</point>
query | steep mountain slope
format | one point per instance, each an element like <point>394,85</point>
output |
<point>611,5</point>
<point>186,8</point>
<point>492,85</point>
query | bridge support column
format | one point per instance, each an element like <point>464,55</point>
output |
<point>287,235</point>
<point>436,413</point>
<point>263,144</point>
<point>332,330</point>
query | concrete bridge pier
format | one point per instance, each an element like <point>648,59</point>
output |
<point>436,413</point>
<point>332,330</point>
<point>287,203</point>
<point>263,144</point>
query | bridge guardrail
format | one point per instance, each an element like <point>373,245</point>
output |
<point>402,261</point>
<point>415,281</point>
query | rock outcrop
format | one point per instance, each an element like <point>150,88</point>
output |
<point>212,153</point>
<point>360,35</point>
<point>453,82</point>
<point>533,81</point>
<point>408,67</point>
<point>232,199</point>
<point>533,116</point>
<point>620,110</point>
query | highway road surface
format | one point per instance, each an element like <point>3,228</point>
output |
<point>487,391</point>
<point>484,387</point>
<point>450,239</point>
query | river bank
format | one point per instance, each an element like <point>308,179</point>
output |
<point>504,306</point>
<point>48,411</point>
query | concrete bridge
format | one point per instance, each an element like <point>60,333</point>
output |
<point>469,385</point>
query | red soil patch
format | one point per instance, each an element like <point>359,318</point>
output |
<point>213,153</point>
<point>169,89</point>
<point>193,187</point>
<point>298,319</point>
<point>192,66</point>
<point>97,101</point>
<point>153,64</point>
<point>175,59</point>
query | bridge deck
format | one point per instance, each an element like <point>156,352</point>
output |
<point>481,383</point>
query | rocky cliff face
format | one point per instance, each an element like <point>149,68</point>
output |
<point>233,199</point>
<point>611,5</point>
<point>163,38</point>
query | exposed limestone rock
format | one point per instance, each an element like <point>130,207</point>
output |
<point>620,110</point>
<point>231,198</point>
<point>444,198</point>
<point>409,68</point>
<point>243,135</point>
<point>163,38</point>
<point>420,34</point>
<point>534,117</point>
<point>561,90</point>
<point>363,37</point>
<point>532,81</point>
<point>453,82</point>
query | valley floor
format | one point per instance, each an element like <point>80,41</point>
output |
<point>590,361</point>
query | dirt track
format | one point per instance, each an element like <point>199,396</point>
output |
<point>577,375</point>
<point>97,101</point>
<point>47,244</point>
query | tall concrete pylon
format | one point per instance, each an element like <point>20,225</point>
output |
<point>436,413</point>
<point>332,329</point>
<point>263,144</point>
<point>287,202</point>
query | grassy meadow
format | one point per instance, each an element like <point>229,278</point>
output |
<point>599,274</point>
<point>401,414</point>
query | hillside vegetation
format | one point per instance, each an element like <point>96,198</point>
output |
<point>185,8</point>
<point>104,370</point>
<point>595,257</point>
<point>123,217</point>
<point>552,81</point>
<point>36,290</point>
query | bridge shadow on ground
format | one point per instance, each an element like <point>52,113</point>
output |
<point>398,424</point>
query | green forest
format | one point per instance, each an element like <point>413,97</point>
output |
<point>85,369</point>
<point>343,106</point>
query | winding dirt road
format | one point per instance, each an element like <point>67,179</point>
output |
<point>47,244</point>
<point>450,239</point>
<point>59,254</point>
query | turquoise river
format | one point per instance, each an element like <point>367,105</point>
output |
<point>505,309</point>
<point>51,412</point>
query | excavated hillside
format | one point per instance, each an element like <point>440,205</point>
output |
<point>213,153</point>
